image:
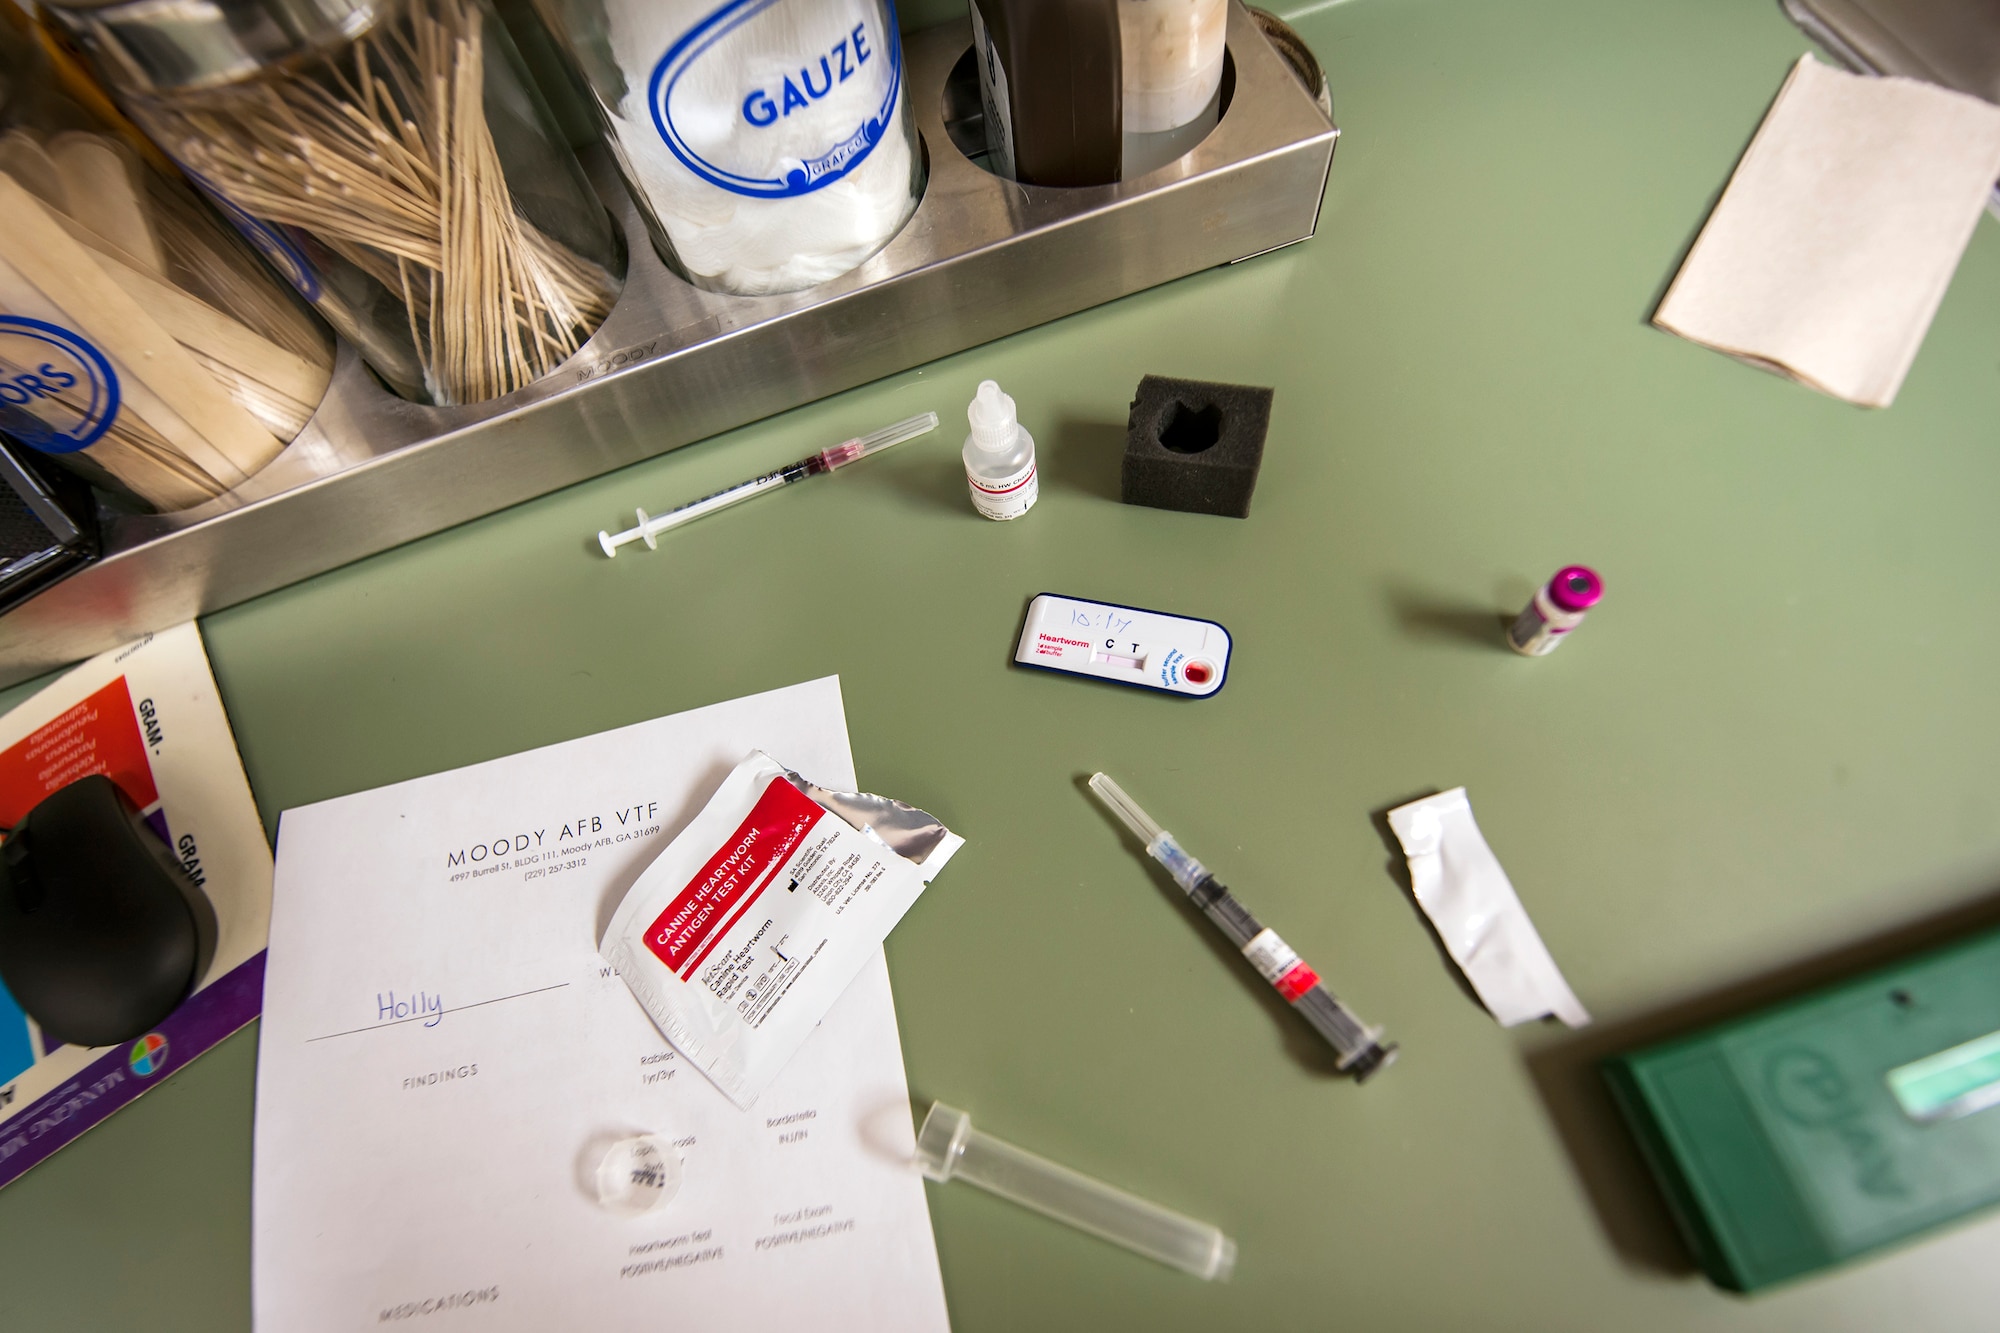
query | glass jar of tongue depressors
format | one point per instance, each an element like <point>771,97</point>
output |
<point>769,142</point>
<point>395,161</point>
<point>142,343</point>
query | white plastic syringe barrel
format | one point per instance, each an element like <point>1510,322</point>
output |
<point>949,1148</point>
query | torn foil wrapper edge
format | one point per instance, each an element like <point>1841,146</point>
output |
<point>1460,885</point>
<point>910,833</point>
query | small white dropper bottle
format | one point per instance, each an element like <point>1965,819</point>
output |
<point>999,456</point>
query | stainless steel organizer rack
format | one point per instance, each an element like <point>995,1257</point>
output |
<point>982,257</point>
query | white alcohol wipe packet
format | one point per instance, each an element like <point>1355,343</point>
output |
<point>751,923</point>
<point>1468,897</point>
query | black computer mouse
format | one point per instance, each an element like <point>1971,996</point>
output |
<point>101,931</point>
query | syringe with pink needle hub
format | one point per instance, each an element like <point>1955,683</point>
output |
<point>651,526</point>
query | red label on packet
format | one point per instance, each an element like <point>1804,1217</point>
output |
<point>1296,982</point>
<point>775,896</point>
<point>99,735</point>
<point>733,878</point>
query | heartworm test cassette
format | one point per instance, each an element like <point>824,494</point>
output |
<point>1126,645</point>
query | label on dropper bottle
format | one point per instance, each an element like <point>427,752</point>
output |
<point>1005,497</point>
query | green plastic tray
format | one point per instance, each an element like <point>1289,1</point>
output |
<point>1848,1119</point>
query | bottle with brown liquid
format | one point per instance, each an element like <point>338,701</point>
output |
<point>1049,72</point>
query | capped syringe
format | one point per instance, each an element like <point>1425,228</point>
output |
<point>1358,1048</point>
<point>650,526</point>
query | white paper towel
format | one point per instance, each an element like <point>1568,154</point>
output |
<point>1837,236</point>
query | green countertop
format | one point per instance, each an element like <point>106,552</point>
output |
<point>1767,756</point>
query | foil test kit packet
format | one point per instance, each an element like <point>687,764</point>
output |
<point>751,923</point>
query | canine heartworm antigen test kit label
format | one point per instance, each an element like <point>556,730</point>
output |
<point>751,923</point>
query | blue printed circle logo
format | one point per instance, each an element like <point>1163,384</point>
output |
<point>271,242</point>
<point>277,247</point>
<point>58,393</point>
<point>721,96</point>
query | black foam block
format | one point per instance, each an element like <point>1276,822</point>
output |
<point>1194,445</point>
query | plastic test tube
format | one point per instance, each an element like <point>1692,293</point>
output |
<point>949,1148</point>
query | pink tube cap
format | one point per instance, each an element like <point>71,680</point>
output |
<point>1576,588</point>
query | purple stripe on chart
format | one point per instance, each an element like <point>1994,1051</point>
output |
<point>123,1073</point>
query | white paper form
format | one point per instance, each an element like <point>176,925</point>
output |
<point>444,1057</point>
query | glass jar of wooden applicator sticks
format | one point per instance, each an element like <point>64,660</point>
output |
<point>397,154</point>
<point>142,343</point>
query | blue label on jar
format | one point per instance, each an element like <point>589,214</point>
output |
<point>58,394</point>
<point>730,88</point>
<point>270,240</point>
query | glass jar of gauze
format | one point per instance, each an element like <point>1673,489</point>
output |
<point>1172,82</point>
<point>769,142</point>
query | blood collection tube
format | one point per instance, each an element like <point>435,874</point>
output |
<point>1557,608</point>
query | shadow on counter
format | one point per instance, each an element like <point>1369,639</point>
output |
<point>939,483</point>
<point>1628,1204</point>
<point>1427,615</point>
<point>1424,616</point>
<point>1086,456</point>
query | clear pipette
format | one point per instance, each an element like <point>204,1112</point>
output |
<point>650,526</point>
<point>1358,1048</point>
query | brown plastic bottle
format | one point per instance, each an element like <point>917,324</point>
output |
<point>1050,73</point>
